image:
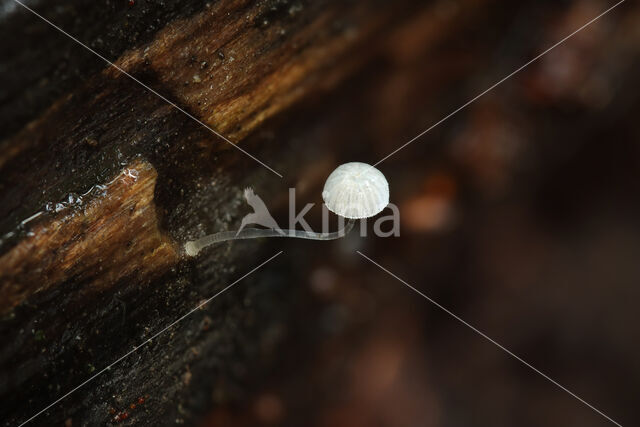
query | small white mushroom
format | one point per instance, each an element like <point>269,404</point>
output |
<point>354,190</point>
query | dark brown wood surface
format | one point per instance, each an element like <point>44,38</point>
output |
<point>102,182</point>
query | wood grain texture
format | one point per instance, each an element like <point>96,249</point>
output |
<point>81,284</point>
<point>111,236</point>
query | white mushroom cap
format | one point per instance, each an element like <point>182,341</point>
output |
<point>356,190</point>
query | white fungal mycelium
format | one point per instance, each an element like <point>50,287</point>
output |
<point>354,190</point>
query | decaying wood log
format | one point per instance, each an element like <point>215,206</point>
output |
<point>101,187</point>
<point>111,236</point>
<point>232,65</point>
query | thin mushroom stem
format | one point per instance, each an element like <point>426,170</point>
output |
<point>193,247</point>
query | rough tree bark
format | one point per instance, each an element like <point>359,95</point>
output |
<point>102,182</point>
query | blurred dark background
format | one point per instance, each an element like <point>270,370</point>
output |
<point>519,214</point>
